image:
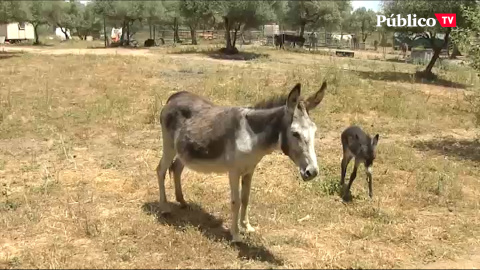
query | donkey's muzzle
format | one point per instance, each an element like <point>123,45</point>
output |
<point>309,173</point>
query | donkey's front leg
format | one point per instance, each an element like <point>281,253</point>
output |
<point>369,180</point>
<point>235,200</point>
<point>246,187</point>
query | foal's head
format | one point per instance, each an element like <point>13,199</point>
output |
<point>298,133</point>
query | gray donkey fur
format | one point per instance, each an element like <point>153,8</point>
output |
<point>359,145</point>
<point>209,138</point>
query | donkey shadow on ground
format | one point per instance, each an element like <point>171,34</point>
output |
<point>462,149</point>
<point>210,226</point>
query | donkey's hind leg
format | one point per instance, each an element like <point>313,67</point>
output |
<point>163,165</point>
<point>347,157</point>
<point>177,169</point>
<point>347,195</point>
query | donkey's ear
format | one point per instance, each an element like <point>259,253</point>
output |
<point>293,97</point>
<point>316,98</point>
<point>375,140</point>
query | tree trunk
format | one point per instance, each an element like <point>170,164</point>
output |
<point>122,37</point>
<point>229,48</point>
<point>150,27</point>
<point>65,32</point>
<point>302,29</point>
<point>105,32</point>
<point>235,35</point>
<point>66,35</point>
<point>326,44</point>
<point>154,32</point>
<point>193,34</point>
<point>176,36</point>
<point>35,26</point>
<point>227,33</point>
<point>128,34</point>
<point>436,54</point>
<point>455,52</point>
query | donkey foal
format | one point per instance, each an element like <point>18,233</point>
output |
<point>359,145</point>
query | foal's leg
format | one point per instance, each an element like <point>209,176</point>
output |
<point>177,169</point>
<point>163,165</point>
<point>347,157</point>
<point>347,194</point>
<point>235,201</point>
<point>369,180</point>
<point>246,187</point>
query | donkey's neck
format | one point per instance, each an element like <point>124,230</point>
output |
<point>267,125</point>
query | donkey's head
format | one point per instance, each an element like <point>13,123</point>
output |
<point>298,136</point>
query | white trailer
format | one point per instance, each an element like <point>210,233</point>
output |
<point>17,31</point>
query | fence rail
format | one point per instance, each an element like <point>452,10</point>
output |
<point>257,37</point>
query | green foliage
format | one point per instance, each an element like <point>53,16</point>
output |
<point>247,14</point>
<point>89,22</point>
<point>467,37</point>
<point>364,20</point>
<point>346,22</point>
<point>127,10</point>
<point>37,12</point>
<point>11,11</point>
<point>240,15</point>
<point>309,13</point>
<point>194,12</point>
<point>64,14</point>
<point>155,12</point>
<point>427,9</point>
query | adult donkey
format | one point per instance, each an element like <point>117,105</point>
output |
<point>208,138</point>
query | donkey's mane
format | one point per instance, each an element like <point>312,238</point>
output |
<point>275,102</point>
<point>271,102</point>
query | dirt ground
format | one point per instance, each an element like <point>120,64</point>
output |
<point>80,141</point>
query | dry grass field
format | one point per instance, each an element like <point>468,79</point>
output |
<point>80,140</point>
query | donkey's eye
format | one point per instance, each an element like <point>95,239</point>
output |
<point>296,135</point>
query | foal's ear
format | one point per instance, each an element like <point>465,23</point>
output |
<point>293,98</point>
<point>375,140</point>
<point>316,98</point>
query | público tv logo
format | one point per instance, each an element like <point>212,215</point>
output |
<point>445,20</point>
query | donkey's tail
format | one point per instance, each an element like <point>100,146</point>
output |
<point>173,168</point>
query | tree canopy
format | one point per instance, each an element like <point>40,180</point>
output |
<point>364,21</point>
<point>427,9</point>
<point>239,15</point>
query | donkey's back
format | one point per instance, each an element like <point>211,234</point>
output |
<point>201,134</point>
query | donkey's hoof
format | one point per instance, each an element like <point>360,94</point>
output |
<point>248,228</point>
<point>182,202</point>
<point>165,213</point>
<point>347,197</point>
<point>165,210</point>
<point>236,238</point>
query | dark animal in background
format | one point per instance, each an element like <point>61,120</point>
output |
<point>280,40</point>
<point>404,48</point>
<point>149,43</point>
<point>359,145</point>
